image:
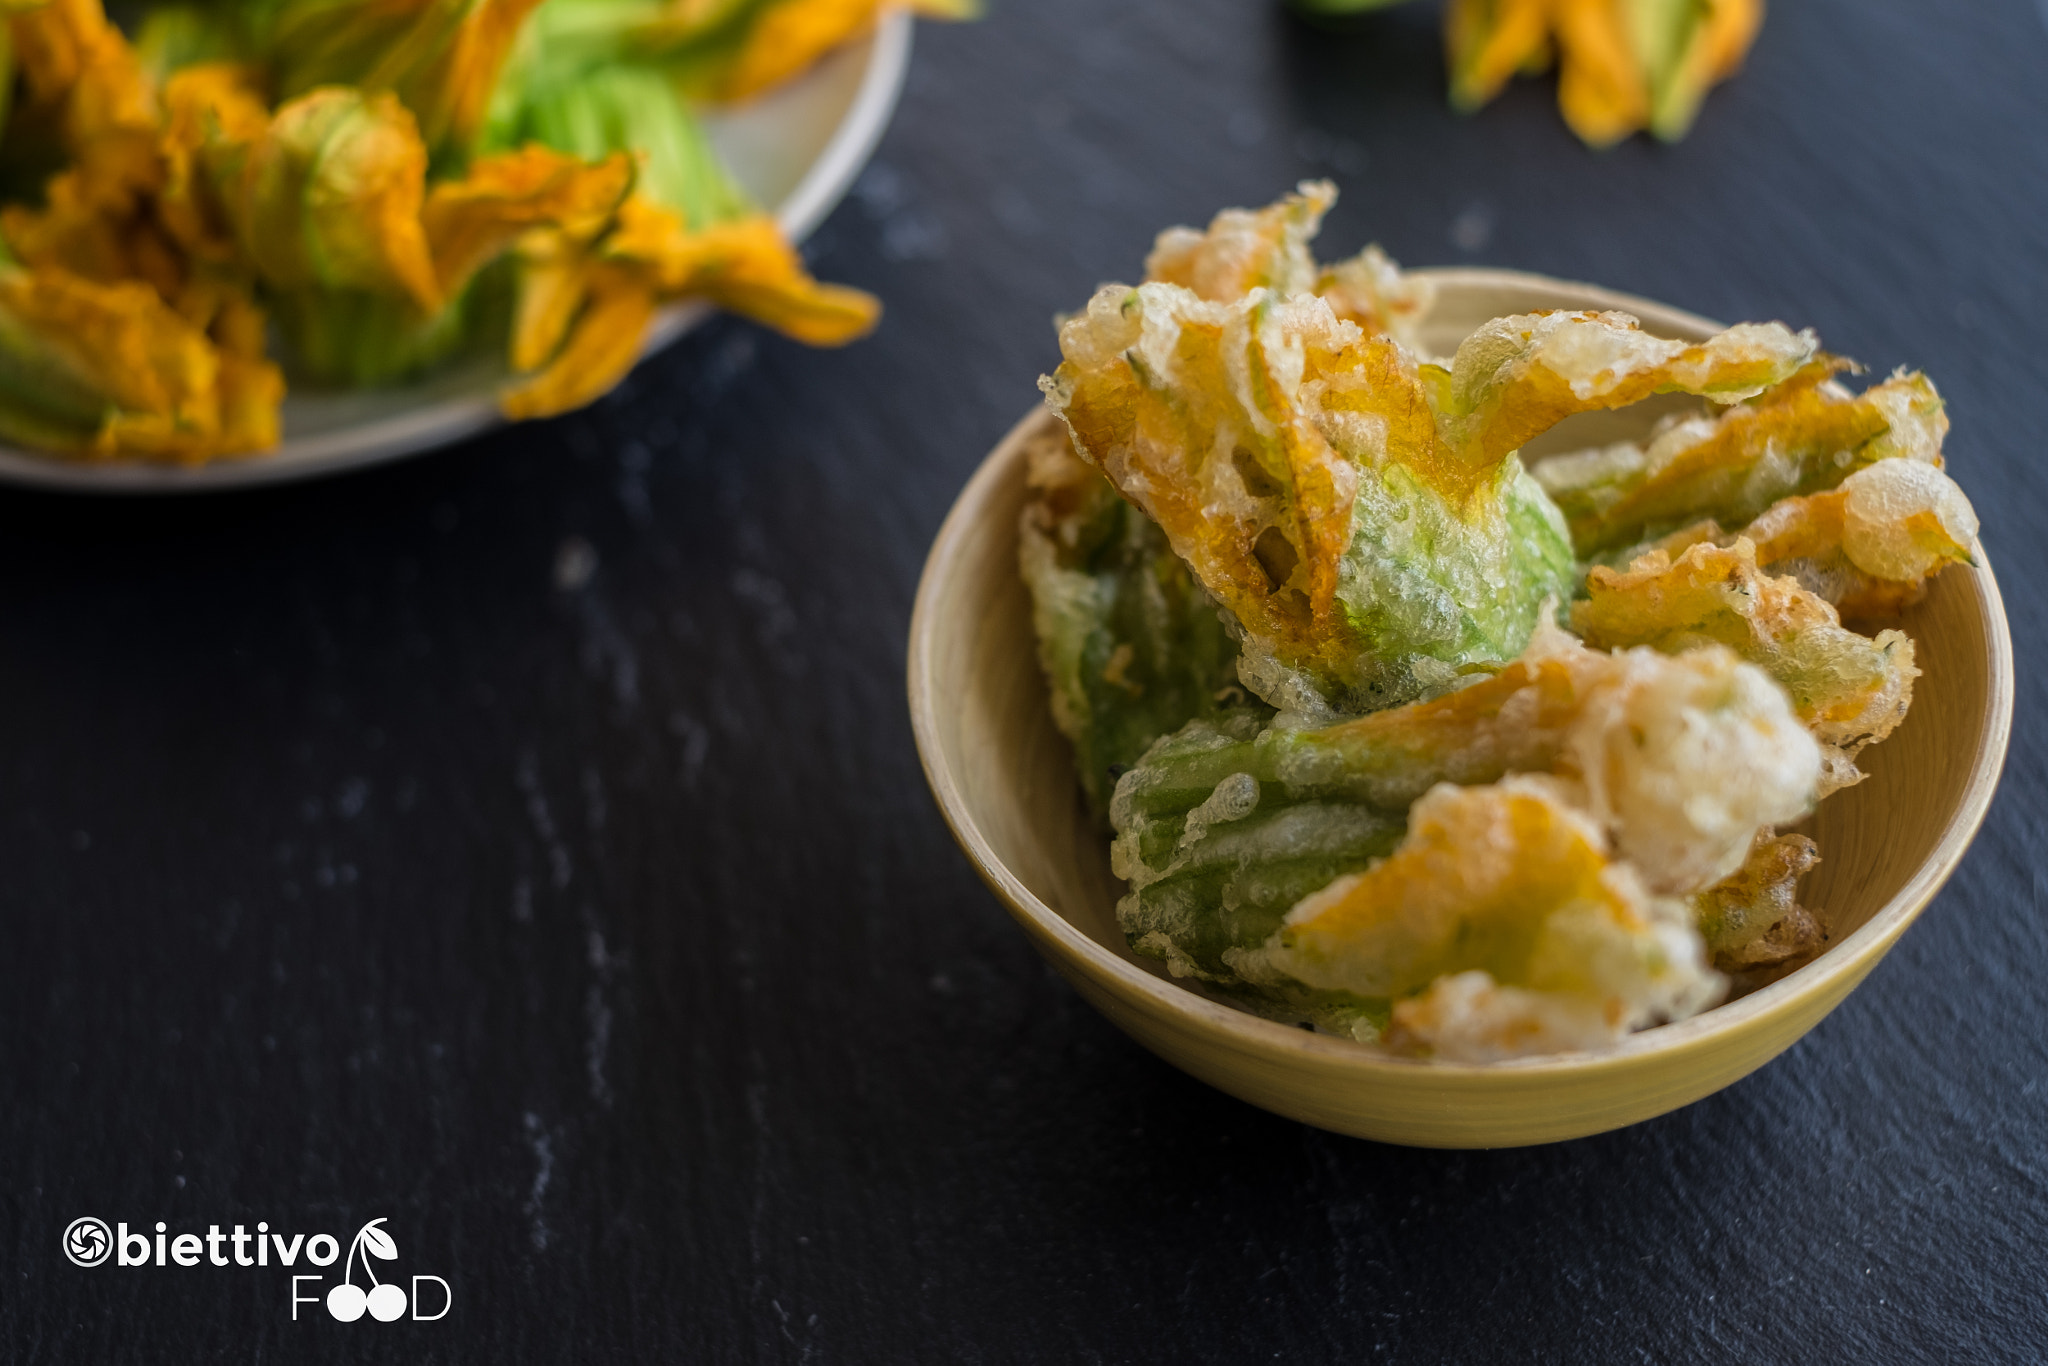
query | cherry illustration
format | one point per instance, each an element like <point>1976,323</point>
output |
<point>346,1302</point>
<point>385,1301</point>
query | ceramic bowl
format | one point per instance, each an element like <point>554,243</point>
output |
<point>1004,778</point>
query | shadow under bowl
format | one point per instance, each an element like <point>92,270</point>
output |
<point>1003,776</point>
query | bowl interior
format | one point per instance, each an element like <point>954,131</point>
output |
<point>1004,774</point>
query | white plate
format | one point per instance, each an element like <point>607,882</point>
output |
<point>798,149</point>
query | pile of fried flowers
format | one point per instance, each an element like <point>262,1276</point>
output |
<point>380,187</point>
<point>1623,66</point>
<point>1405,740</point>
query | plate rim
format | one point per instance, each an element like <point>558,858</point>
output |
<point>443,422</point>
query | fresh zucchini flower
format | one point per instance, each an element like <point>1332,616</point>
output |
<point>780,39</point>
<point>325,194</point>
<point>367,337</point>
<point>213,115</point>
<point>78,71</point>
<point>441,58</point>
<point>100,370</point>
<point>608,293</point>
<point>1624,65</point>
<point>627,108</point>
<point>472,221</point>
<point>76,232</point>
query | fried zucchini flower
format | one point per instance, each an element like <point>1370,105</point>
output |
<point>1500,927</point>
<point>1247,249</point>
<point>1850,690</point>
<point>1676,764</point>
<point>1131,645</point>
<point>1804,436</point>
<point>585,311</point>
<point>1623,65</point>
<point>1869,545</point>
<point>1362,514</point>
<point>1752,920</point>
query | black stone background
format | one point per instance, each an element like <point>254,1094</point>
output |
<point>606,940</point>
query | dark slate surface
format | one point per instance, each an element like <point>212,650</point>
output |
<point>361,863</point>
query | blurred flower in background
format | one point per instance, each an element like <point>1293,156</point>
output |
<point>1624,66</point>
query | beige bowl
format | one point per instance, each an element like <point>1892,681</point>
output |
<point>1004,778</point>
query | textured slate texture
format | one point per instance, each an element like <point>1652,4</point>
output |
<point>365,858</point>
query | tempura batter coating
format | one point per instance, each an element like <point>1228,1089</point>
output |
<point>1500,927</point>
<point>1360,513</point>
<point>1870,545</point>
<point>1850,690</point>
<point>1131,645</point>
<point>1247,249</point>
<point>1802,437</point>
<point>1677,762</point>
<point>1752,918</point>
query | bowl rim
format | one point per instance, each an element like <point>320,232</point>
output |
<point>435,422</point>
<point>1850,958</point>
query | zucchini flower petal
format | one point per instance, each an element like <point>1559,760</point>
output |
<point>784,37</point>
<point>80,233</point>
<point>441,58</point>
<point>1487,41</point>
<point>213,115</point>
<point>1602,88</point>
<point>601,348</point>
<point>648,257</point>
<point>1789,440</point>
<point>746,266</point>
<point>1870,545</point>
<point>553,284</point>
<point>1515,378</point>
<point>1246,249</point>
<point>471,221</point>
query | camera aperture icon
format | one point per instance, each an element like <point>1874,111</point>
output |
<point>88,1241</point>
